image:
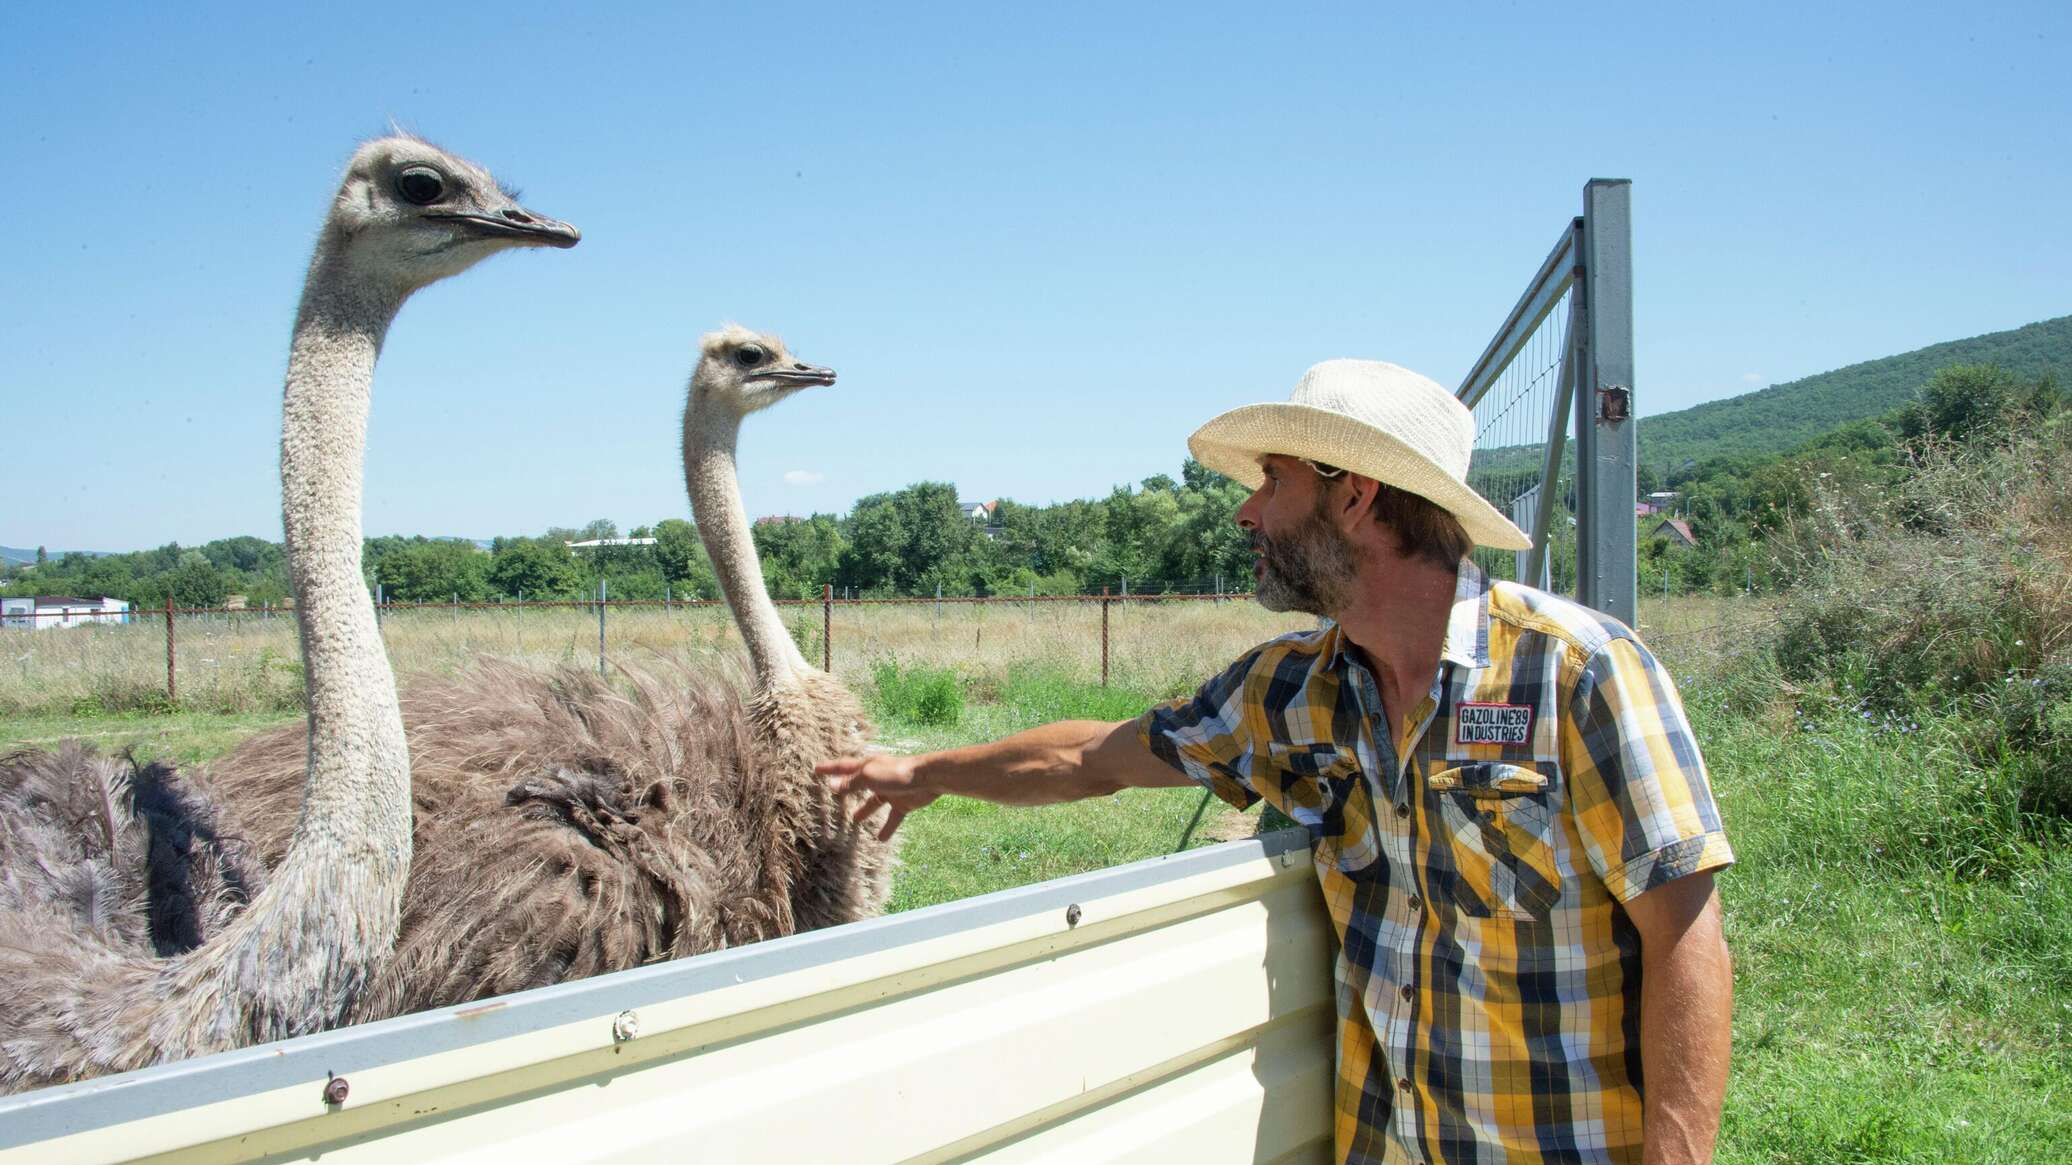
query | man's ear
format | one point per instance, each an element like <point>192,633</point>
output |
<point>1355,501</point>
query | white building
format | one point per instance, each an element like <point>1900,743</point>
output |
<point>46,611</point>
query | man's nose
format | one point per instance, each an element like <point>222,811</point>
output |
<point>1247,513</point>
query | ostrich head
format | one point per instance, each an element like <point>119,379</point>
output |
<point>740,371</point>
<point>409,213</point>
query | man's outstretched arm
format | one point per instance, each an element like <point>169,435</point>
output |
<point>1065,761</point>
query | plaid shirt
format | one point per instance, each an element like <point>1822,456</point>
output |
<point>1488,983</point>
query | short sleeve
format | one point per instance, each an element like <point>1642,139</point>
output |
<point>1637,786</point>
<point>1203,735</point>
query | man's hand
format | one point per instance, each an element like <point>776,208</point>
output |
<point>881,780</point>
<point>1064,761</point>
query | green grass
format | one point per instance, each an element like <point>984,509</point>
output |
<point>958,847</point>
<point>181,737</point>
<point>1903,991</point>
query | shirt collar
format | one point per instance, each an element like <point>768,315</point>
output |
<point>1467,627</point>
<point>1467,624</point>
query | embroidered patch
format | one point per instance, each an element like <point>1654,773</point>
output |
<point>1492,724</point>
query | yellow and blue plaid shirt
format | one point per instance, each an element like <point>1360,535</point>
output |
<point>1488,983</point>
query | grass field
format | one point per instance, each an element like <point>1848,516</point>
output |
<point>1903,966</point>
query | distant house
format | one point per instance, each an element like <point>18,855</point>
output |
<point>1676,530</point>
<point>986,514</point>
<point>43,612</point>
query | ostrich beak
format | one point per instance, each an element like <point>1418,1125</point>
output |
<point>519,226</point>
<point>800,375</point>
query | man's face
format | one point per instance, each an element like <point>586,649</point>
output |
<point>1306,563</point>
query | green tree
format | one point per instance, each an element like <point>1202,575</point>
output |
<point>197,582</point>
<point>534,568</point>
<point>910,542</point>
<point>799,556</point>
<point>436,571</point>
<point>873,562</point>
<point>680,556</point>
<point>1138,528</point>
<point>1207,543</point>
<point>244,554</point>
<point>1964,401</point>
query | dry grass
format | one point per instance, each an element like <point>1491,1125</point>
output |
<point>250,662</point>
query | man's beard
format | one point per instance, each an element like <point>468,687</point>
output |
<point>1308,569</point>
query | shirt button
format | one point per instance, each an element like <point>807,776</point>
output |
<point>1404,1083</point>
<point>1416,904</point>
<point>1409,992</point>
<point>1403,810</point>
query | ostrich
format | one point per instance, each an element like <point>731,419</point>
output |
<point>567,827</point>
<point>80,1002</point>
<point>798,714</point>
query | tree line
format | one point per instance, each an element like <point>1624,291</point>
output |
<point>1160,534</point>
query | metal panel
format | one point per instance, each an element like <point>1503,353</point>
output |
<point>1548,283</point>
<point>1605,427</point>
<point>1538,565</point>
<point>1186,1001</point>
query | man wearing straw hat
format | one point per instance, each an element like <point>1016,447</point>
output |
<point>1511,822</point>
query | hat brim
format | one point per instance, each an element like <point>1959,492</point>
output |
<point>1231,444</point>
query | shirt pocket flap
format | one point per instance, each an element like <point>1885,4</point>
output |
<point>1326,761</point>
<point>1489,780</point>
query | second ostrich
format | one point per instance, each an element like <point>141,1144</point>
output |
<point>567,827</point>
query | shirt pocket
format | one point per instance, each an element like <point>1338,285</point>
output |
<point>1495,821</point>
<point>1322,790</point>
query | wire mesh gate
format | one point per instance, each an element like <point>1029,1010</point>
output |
<point>1564,356</point>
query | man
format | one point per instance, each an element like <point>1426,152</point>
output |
<point>1511,823</point>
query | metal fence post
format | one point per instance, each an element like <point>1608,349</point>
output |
<point>1104,637</point>
<point>600,626</point>
<point>1606,543</point>
<point>827,628</point>
<point>172,690</point>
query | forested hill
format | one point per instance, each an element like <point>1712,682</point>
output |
<point>1785,416</point>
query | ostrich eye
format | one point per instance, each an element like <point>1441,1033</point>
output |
<point>421,185</point>
<point>750,355</point>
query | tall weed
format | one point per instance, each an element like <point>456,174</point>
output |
<point>1947,600</point>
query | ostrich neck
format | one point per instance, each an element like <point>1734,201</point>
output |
<point>714,484</point>
<point>296,959</point>
<point>355,728</point>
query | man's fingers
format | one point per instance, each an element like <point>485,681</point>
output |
<point>865,806</point>
<point>892,821</point>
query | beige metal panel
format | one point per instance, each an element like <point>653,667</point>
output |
<point>1259,1102</point>
<point>1193,1010</point>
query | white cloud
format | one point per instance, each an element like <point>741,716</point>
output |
<point>803,477</point>
<point>1753,378</point>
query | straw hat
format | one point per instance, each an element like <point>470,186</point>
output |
<point>1377,420</point>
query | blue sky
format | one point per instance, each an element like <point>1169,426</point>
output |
<point>1041,243</point>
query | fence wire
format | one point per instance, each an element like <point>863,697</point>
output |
<point>1513,420</point>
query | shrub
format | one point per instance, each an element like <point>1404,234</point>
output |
<point>1945,600</point>
<point>919,695</point>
